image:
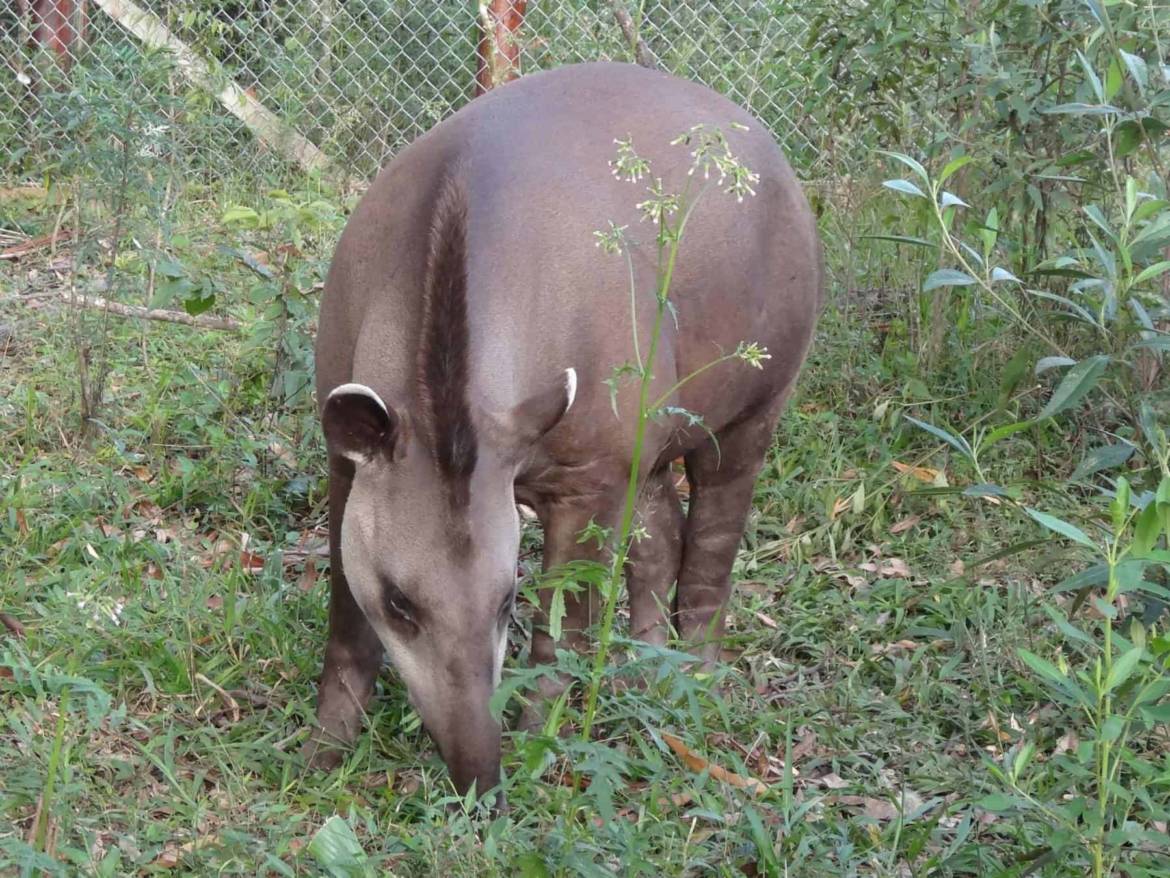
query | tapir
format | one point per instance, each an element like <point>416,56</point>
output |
<point>468,336</point>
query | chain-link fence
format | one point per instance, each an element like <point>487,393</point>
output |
<point>358,79</point>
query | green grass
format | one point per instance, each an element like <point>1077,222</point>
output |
<point>154,707</point>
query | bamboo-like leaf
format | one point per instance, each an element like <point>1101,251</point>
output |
<point>952,166</point>
<point>1079,380</point>
<point>957,442</point>
<point>913,165</point>
<point>1123,668</point>
<point>1152,271</point>
<point>949,199</point>
<point>1043,667</point>
<point>1061,527</point>
<point>899,239</point>
<point>947,277</point>
<point>904,186</point>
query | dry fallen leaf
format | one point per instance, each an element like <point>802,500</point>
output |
<point>833,781</point>
<point>905,524</point>
<point>1067,743</point>
<point>167,858</point>
<point>308,577</point>
<point>884,649</point>
<point>768,621</point>
<point>878,809</point>
<point>922,473</point>
<point>805,746</point>
<point>698,764</point>
<point>21,523</point>
<point>250,562</point>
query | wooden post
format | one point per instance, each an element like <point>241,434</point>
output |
<point>498,54</point>
<point>56,25</point>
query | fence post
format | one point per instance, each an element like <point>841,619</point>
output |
<point>498,54</point>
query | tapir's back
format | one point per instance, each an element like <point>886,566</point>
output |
<point>533,158</point>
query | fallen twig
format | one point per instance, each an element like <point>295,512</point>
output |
<point>37,243</point>
<point>203,321</point>
<point>231,702</point>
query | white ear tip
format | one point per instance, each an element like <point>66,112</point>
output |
<point>360,389</point>
<point>571,386</point>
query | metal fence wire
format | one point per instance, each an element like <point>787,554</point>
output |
<point>353,81</point>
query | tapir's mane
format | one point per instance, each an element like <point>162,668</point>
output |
<point>442,367</point>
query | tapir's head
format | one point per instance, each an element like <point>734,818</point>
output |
<point>429,542</point>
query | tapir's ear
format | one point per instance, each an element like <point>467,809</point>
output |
<point>358,425</point>
<point>535,416</point>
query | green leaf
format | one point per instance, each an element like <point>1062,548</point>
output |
<point>1157,715</point>
<point>169,268</point>
<point>1119,508</point>
<point>997,802</point>
<point>1146,530</point>
<point>337,849</point>
<point>1128,138</point>
<point>1137,69</point>
<point>1046,363</point>
<point>1079,380</point>
<point>1003,432</point>
<point>1043,667</point>
<point>1002,274</point>
<point>1093,212</point>
<point>1123,668</point>
<point>989,231</point>
<point>199,303</point>
<point>1013,373</point>
<point>900,239</point>
<point>1152,271</point>
<point>1076,108</point>
<point>947,277</point>
<point>913,165</point>
<point>245,216</point>
<point>1061,527</point>
<point>1077,310</point>
<point>904,186</point>
<point>952,166</point>
<point>1102,457</point>
<point>956,442</point>
<point>949,199</point>
<point>1112,728</point>
<point>1092,77</point>
<point>1113,79</point>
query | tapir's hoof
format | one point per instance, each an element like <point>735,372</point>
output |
<point>321,752</point>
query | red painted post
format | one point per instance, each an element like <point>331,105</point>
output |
<point>498,54</point>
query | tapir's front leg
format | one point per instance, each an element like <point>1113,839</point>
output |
<point>353,653</point>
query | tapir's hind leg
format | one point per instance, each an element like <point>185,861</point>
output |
<point>722,484</point>
<point>353,653</point>
<point>654,561</point>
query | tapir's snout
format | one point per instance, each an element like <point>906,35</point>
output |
<point>471,750</point>
<point>456,714</point>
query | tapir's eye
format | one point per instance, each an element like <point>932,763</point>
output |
<point>396,604</point>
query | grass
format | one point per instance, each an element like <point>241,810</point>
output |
<point>173,609</point>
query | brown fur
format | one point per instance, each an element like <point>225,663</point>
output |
<point>443,349</point>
